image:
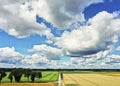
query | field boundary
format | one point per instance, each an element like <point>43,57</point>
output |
<point>26,84</point>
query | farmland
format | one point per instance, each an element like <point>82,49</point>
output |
<point>70,78</point>
<point>91,79</point>
<point>47,76</point>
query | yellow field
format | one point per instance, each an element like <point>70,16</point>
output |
<point>26,84</point>
<point>90,80</point>
<point>113,75</point>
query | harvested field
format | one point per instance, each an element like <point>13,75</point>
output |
<point>26,84</point>
<point>118,75</point>
<point>90,80</point>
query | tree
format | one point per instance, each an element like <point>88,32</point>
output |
<point>33,74</point>
<point>38,75</point>
<point>10,77</point>
<point>2,75</point>
<point>17,74</point>
<point>27,73</point>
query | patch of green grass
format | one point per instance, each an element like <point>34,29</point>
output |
<point>51,77</point>
<point>47,76</point>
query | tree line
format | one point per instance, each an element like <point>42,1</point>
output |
<point>116,70</point>
<point>17,73</point>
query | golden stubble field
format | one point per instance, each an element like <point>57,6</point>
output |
<point>26,84</point>
<point>90,80</point>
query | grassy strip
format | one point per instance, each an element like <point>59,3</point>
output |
<point>89,72</point>
<point>54,77</point>
<point>45,74</point>
<point>46,78</point>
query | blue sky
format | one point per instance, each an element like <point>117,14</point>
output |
<point>60,34</point>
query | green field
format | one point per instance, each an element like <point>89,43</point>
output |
<point>47,76</point>
<point>90,72</point>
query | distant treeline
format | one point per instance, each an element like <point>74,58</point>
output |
<point>9,69</point>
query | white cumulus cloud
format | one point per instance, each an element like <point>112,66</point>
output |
<point>99,34</point>
<point>51,53</point>
<point>10,56</point>
<point>34,60</point>
<point>112,59</point>
<point>17,20</point>
<point>61,13</point>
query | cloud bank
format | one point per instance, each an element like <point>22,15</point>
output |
<point>90,42</point>
<point>93,37</point>
<point>61,13</point>
<point>17,20</point>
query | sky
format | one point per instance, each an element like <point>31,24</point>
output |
<point>70,34</point>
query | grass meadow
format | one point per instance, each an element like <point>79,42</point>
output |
<point>47,76</point>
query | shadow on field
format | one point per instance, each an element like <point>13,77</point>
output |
<point>71,85</point>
